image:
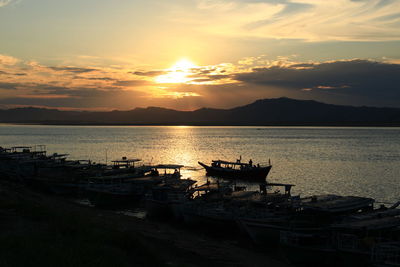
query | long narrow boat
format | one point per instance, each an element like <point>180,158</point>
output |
<point>301,215</point>
<point>236,169</point>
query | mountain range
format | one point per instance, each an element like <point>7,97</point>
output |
<point>277,111</point>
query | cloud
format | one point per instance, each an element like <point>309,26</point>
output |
<point>149,73</point>
<point>350,82</point>
<point>96,78</point>
<point>353,81</point>
<point>73,69</point>
<point>9,86</point>
<point>310,20</point>
<point>132,83</point>
<point>8,60</point>
<point>5,2</point>
<point>9,73</point>
<point>290,9</point>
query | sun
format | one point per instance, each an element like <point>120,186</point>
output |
<point>183,65</point>
<point>178,73</point>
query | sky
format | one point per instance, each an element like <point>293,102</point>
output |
<point>189,54</point>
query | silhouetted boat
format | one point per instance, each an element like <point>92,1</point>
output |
<point>386,254</point>
<point>236,169</point>
<point>301,215</point>
<point>119,190</point>
<point>165,200</point>
<point>125,188</point>
<point>360,241</point>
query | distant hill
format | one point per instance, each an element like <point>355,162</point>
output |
<point>279,111</point>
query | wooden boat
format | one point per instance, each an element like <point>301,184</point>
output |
<point>311,247</point>
<point>165,200</point>
<point>236,169</point>
<point>123,188</point>
<point>356,240</point>
<point>167,171</point>
<point>300,215</point>
<point>386,254</point>
<point>219,207</point>
<point>119,189</point>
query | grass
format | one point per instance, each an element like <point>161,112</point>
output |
<point>37,234</point>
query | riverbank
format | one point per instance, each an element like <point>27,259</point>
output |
<point>45,230</point>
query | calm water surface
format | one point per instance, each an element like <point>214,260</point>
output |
<point>349,161</point>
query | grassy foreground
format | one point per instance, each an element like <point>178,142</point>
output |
<point>42,230</point>
<point>36,232</point>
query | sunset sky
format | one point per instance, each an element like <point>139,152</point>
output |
<point>188,54</point>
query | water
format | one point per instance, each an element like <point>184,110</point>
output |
<point>348,161</point>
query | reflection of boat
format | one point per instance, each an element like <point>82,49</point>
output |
<point>237,169</point>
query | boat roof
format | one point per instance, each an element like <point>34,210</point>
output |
<point>168,166</point>
<point>125,160</point>
<point>373,224</point>
<point>230,162</point>
<point>207,187</point>
<point>278,184</point>
<point>55,155</point>
<point>334,203</point>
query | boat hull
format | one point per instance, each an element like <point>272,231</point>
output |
<point>310,256</point>
<point>262,233</point>
<point>112,199</point>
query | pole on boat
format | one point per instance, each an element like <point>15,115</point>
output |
<point>106,157</point>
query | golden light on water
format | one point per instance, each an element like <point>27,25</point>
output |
<point>178,73</point>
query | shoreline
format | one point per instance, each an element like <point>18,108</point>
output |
<point>208,125</point>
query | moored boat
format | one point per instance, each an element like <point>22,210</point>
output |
<point>119,190</point>
<point>165,200</point>
<point>238,169</point>
<point>299,215</point>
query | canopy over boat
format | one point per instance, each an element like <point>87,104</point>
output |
<point>168,166</point>
<point>125,163</point>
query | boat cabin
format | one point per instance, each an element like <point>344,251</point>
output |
<point>274,187</point>
<point>166,170</point>
<point>21,149</point>
<point>5,150</point>
<point>39,150</point>
<point>124,163</point>
<point>238,165</point>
